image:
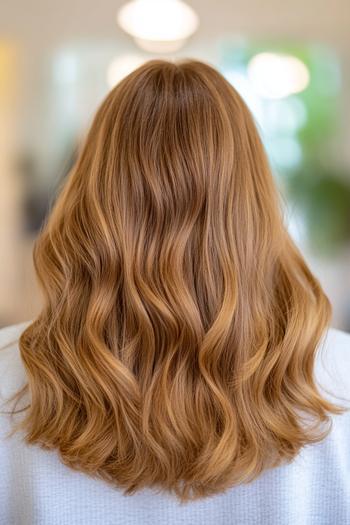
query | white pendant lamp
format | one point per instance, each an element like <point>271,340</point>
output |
<point>158,25</point>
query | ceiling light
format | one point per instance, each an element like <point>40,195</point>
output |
<point>158,25</point>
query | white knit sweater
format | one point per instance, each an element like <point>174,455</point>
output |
<point>37,489</point>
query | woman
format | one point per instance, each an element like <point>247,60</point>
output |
<point>171,376</point>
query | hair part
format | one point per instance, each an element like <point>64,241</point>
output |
<point>176,345</point>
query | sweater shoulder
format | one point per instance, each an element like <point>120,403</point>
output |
<point>12,373</point>
<point>331,372</point>
<point>332,366</point>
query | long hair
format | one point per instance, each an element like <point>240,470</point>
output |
<point>176,344</point>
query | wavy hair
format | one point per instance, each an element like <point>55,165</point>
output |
<point>176,344</point>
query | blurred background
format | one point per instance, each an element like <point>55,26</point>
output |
<point>289,60</point>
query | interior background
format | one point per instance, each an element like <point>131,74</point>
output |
<point>54,58</point>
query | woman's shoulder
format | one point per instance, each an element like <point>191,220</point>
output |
<point>338,339</point>
<point>12,373</point>
<point>332,365</point>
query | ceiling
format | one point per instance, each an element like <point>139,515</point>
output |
<point>44,23</point>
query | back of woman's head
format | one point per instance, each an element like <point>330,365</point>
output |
<point>177,340</point>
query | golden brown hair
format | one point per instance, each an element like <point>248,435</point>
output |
<point>177,341</point>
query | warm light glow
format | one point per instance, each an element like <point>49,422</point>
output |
<point>158,46</point>
<point>121,66</point>
<point>277,75</point>
<point>157,23</point>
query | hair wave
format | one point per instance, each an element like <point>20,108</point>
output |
<point>176,344</point>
